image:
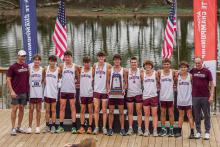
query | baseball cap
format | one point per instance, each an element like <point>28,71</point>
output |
<point>22,53</point>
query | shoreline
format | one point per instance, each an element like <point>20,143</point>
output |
<point>106,12</point>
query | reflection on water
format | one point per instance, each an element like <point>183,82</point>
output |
<point>142,37</point>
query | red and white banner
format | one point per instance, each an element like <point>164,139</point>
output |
<point>205,33</point>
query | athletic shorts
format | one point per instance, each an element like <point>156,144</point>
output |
<point>166,104</point>
<point>115,101</point>
<point>35,100</point>
<point>136,99</point>
<point>153,102</point>
<point>65,95</point>
<point>100,95</point>
<point>21,99</point>
<point>86,100</point>
<point>184,107</point>
<point>49,100</point>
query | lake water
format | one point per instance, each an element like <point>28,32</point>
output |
<point>141,37</point>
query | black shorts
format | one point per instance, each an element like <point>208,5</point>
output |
<point>21,99</point>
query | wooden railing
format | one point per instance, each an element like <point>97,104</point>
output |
<point>4,101</point>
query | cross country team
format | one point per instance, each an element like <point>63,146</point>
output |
<point>104,86</point>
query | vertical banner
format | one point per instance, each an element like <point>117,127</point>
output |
<point>29,27</point>
<point>205,33</point>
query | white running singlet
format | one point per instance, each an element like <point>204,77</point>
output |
<point>150,86</point>
<point>68,79</point>
<point>51,87</point>
<point>166,87</point>
<point>35,79</point>
<point>100,79</point>
<point>86,89</point>
<point>134,83</point>
<point>184,91</point>
<point>116,84</point>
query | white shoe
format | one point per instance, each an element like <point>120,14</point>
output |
<point>207,136</point>
<point>29,130</point>
<point>37,131</point>
<point>146,133</point>
<point>13,132</point>
<point>20,130</point>
<point>104,131</point>
<point>130,131</point>
<point>198,135</point>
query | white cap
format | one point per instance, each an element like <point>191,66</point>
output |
<point>22,53</point>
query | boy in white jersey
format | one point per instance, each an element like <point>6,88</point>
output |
<point>70,75</point>
<point>116,85</point>
<point>36,92</point>
<point>167,83</point>
<point>134,94</point>
<point>52,75</point>
<point>184,98</point>
<point>150,99</point>
<point>86,95</point>
<point>100,92</point>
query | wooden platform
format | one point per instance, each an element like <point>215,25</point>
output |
<point>53,140</point>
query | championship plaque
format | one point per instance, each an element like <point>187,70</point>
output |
<point>116,85</point>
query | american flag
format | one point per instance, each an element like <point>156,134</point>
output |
<point>170,30</point>
<point>60,32</point>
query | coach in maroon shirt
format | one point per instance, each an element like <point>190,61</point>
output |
<point>202,93</point>
<point>18,84</point>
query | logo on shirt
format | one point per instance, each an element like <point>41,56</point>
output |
<point>200,75</point>
<point>133,77</point>
<point>100,72</point>
<point>51,76</point>
<point>149,80</point>
<point>36,75</point>
<point>85,76</point>
<point>68,72</point>
<point>183,83</point>
<point>166,80</point>
<point>23,69</point>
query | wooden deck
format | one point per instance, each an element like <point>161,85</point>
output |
<point>46,140</point>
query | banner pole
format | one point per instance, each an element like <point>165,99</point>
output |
<point>177,37</point>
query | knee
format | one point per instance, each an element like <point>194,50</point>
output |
<point>154,114</point>
<point>181,115</point>
<point>130,111</point>
<point>90,111</point>
<point>14,110</point>
<point>171,114</point>
<point>139,112</point>
<point>21,110</point>
<point>96,110</point>
<point>147,114</point>
<point>47,111</point>
<point>53,111</point>
<point>162,111</point>
<point>21,107</point>
<point>121,112</point>
<point>62,107</point>
<point>31,110</point>
<point>83,110</point>
<point>111,112</point>
<point>38,110</point>
<point>104,111</point>
<point>73,109</point>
